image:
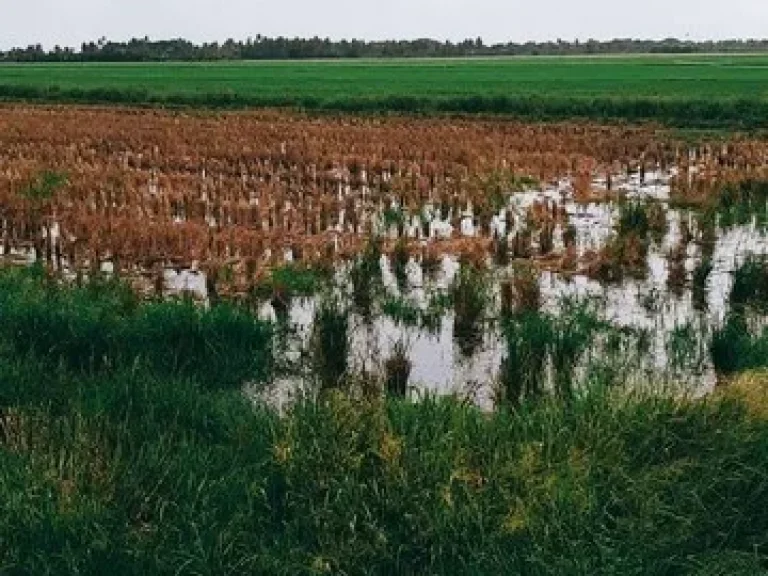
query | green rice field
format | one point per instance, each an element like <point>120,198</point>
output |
<point>692,89</point>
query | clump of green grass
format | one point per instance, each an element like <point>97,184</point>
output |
<point>365,276</point>
<point>398,370</point>
<point>642,219</point>
<point>738,203</point>
<point>102,326</point>
<point>539,344</point>
<point>684,348</point>
<point>394,216</point>
<point>470,294</point>
<point>330,342</point>
<point>523,370</point>
<point>431,263</point>
<point>292,280</point>
<point>400,258</point>
<point>402,311</point>
<point>526,290</point>
<point>44,186</point>
<point>139,475</point>
<point>501,252</point>
<point>750,285</point>
<point>700,282</point>
<point>737,346</point>
<point>733,203</point>
<point>406,313</point>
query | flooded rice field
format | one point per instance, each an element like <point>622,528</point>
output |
<point>669,320</point>
<point>472,257</point>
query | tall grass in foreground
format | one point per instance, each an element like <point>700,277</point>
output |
<point>122,467</point>
<point>129,473</point>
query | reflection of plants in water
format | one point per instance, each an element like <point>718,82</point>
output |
<point>330,342</point>
<point>686,234</point>
<point>398,370</point>
<point>521,244</point>
<point>657,220</point>
<point>507,297</point>
<point>569,236</point>
<point>425,218</point>
<point>483,215</point>
<point>470,294</point>
<point>706,225</point>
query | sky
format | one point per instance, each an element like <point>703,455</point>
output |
<point>70,22</point>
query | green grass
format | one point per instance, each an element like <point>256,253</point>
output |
<point>686,90</point>
<point>132,466</point>
<point>134,474</point>
<point>102,326</point>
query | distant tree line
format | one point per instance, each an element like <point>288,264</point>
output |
<point>264,48</point>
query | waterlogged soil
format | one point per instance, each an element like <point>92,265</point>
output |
<point>647,305</point>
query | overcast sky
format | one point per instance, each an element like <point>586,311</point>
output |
<point>69,22</point>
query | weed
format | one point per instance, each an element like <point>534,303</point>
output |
<point>330,342</point>
<point>398,370</point>
<point>401,256</point>
<point>470,295</point>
